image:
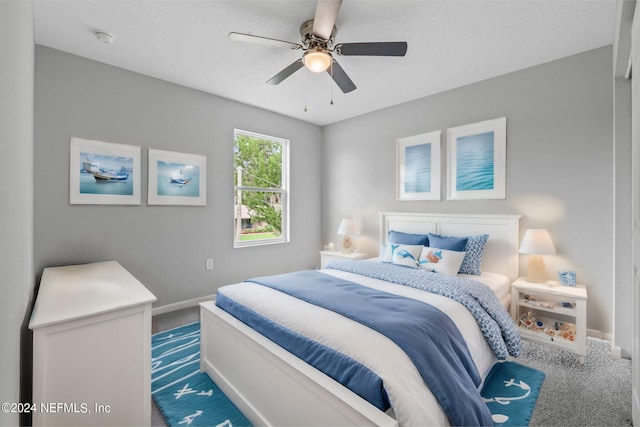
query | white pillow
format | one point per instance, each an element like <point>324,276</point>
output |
<point>406,255</point>
<point>441,261</point>
<point>386,252</point>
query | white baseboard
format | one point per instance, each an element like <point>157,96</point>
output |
<point>180,305</point>
<point>616,351</point>
<point>594,333</point>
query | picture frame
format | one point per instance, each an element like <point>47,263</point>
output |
<point>476,160</point>
<point>103,173</point>
<point>177,178</point>
<point>567,278</point>
<point>418,167</point>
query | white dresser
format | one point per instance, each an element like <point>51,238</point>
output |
<point>91,347</point>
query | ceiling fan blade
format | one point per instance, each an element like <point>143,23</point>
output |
<point>278,78</point>
<point>372,49</point>
<point>341,78</point>
<point>240,37</point>
<point>325,18</point>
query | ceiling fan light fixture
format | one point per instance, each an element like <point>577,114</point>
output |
<point>317,60</point>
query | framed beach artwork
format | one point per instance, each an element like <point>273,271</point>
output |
<point>476,157</point>
<point>177,178</point>
<point>418,167</point>
<point>103,173</point>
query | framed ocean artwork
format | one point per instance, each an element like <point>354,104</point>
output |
<point>103,173</point>
<point>177,178</point>
<point>476,158</point>
<point>418,167</point>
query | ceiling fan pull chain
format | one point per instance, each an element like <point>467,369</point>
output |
<point>331,81</point>
<point>305,90</point>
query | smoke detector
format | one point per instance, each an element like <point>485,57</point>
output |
<point>103,37</point>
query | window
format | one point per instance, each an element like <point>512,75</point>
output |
<point>261,169</point>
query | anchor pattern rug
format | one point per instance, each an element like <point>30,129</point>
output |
<point>510,391</point>
<point>184,395</point>
<point>187,397</point>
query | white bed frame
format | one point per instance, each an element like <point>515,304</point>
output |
<point>272,387</point>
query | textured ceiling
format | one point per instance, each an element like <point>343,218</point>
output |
<point>451,43</point>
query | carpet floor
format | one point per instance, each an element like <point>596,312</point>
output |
<point>596,393</point>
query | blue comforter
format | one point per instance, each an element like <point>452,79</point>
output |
<point>439,353</point>
<point>495,323</point>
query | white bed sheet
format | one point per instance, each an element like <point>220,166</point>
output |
<point>499,283</point>
<point>411,400</point>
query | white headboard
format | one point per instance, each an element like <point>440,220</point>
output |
<point>500,254</point>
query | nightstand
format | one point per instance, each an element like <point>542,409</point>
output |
<point>551,315</point>
<point>328,256</point>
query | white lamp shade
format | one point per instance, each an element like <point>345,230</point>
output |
<point>537,241</point>
<point>348,227</point>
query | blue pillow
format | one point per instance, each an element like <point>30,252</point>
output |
<point>473,257</point>
<point>449,243</point>
<point>408,238</point>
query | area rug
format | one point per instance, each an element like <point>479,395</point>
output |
<point>510,391</point>
<point>184,395</point>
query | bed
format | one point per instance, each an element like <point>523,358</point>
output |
<point>271,386</point>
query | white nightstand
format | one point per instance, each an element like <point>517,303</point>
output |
<point>560,314</point>
<point>327,256</point>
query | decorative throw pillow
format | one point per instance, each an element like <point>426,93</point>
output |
<point>441,261</point>
<point>473,258</point>
<point>386,252</point>
<point>407,255</point>
<point>450,243</point>
<point>408,238</point>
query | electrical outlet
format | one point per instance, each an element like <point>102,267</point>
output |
<point>209,264</point>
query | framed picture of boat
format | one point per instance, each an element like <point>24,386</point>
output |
<point>103,173</point>
<point>476,157</point>
<point>177,178</point>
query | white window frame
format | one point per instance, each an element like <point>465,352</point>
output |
<point>284,190</point>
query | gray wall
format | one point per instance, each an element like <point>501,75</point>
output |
<point>16,205</point>
<point>165,247</point>
<point>559,172</point>
<point>559,164</point>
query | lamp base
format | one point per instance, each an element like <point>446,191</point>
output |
<point>536,272</point>
<point>348,245</point>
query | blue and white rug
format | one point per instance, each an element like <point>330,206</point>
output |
<point>511,391</point>
<point>185,396</point>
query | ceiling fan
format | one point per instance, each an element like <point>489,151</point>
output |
<point>318,45</point>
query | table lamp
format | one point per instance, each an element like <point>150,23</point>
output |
<point>348,228</point>
<point>536,242</point>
